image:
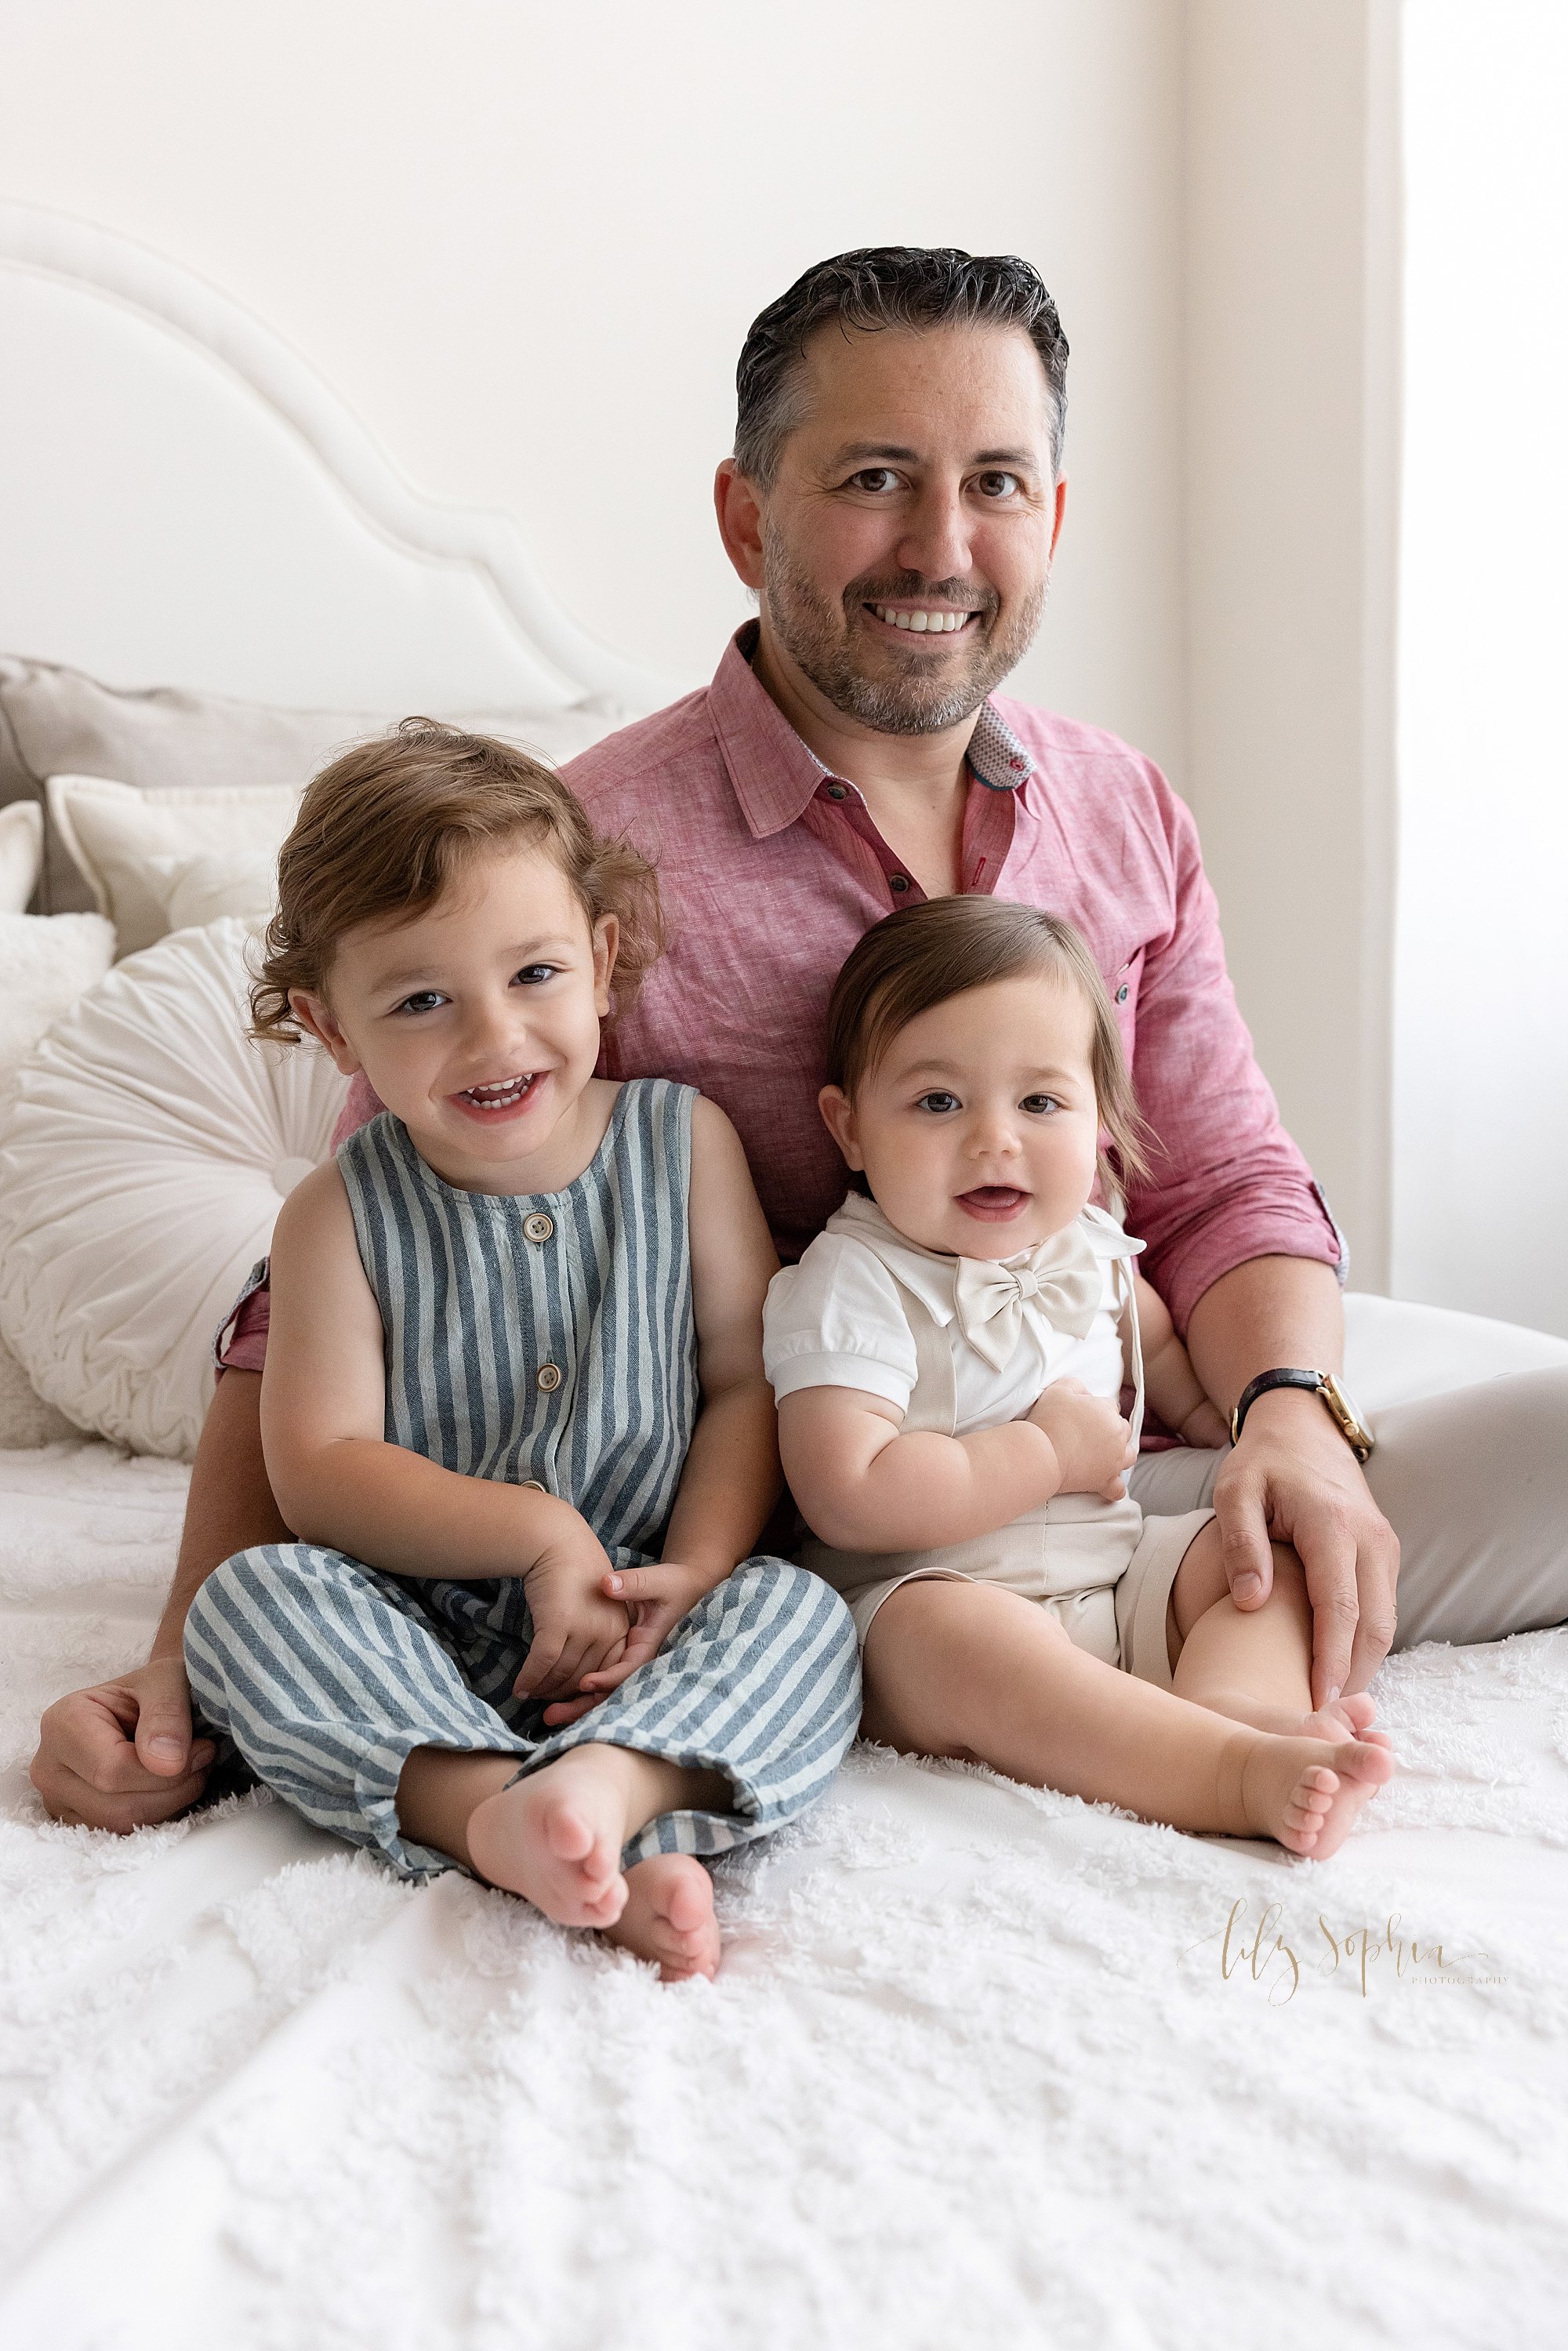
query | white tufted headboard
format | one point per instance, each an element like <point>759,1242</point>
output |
<point>185,501</point>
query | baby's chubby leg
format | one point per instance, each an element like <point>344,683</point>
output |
<point>556,1836</point>
<point>1253,1664</point>
<point>970,1670</point>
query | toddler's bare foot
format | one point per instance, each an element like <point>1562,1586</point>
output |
<point>1307,1797</point>
<point>556,1838</point>
<point>669,1916</point>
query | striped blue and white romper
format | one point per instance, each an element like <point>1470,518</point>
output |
<point>545,1338</point>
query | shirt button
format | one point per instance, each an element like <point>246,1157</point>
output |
<point>1121,993</point>
<point>533,1486</point>
<point>837,791</point>
<point>549,1377</point>
<point>898,882</point>
<point>538,1226</point>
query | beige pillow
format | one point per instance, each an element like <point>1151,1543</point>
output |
<point>56,721</point>
<point>136,851</point>
<point>21,854</point>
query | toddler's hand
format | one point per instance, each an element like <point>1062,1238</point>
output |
<point>1093,1444</point>
<point>578,1628</point>
<point>657,1598</point>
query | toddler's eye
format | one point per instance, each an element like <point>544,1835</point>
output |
<point>533,974</point>
<point>1041,1103</point>
<point>424,1000</point>
<point>938,1103</point>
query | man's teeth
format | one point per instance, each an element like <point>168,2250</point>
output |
<point>500,1096</point>
<point>944,622</point>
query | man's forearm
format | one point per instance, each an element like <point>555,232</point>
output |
<point>231,1504</point>
<point>1269,1312</point>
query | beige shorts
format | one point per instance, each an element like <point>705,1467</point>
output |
<point>1106,1577</point>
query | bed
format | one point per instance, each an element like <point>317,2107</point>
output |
<point>984,2065</point>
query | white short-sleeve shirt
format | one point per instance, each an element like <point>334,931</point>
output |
<point>838,1319</point>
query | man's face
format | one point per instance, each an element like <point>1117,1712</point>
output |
<point>906,544</point>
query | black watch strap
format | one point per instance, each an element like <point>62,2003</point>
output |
<point>1339,1409</point>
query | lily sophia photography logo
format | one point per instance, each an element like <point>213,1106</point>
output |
<point>1262,1950</point>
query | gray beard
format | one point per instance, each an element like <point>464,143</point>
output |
<point>818,636</point>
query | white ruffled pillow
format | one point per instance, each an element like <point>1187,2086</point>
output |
<point>143,1156</point>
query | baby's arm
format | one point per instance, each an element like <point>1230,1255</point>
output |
<point>340,1484</point>
<point>731,1479</point>
<point>1169,1381</point>
<point>863,1485</point>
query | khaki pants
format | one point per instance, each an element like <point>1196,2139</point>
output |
<point>1474,1481</point>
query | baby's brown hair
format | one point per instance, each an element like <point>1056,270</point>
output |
<point>387,827</point>
<point>924,955</point>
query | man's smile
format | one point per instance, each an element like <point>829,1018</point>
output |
<point>922,620</point>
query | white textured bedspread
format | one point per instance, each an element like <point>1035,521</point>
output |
<point>984,2067</point>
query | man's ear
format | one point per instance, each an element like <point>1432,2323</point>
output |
<point>739,512</point>
<point>606,947</point>
<point>839,1117</point>
<point>1061,510</point>
<point>314,1014</point>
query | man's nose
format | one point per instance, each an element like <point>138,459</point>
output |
<point>935,542</point>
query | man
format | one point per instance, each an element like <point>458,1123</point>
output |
<point>894,501</point>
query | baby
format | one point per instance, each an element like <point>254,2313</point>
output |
<point>514,1402</point>
<point>948,1359</point>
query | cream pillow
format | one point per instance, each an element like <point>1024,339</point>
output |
<point>195,889</point>
<point>21,853</point>
<point>144,1154</point>
<point>45,964</point>
<point>132,847</point>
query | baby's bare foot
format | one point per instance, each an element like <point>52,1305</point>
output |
<point>556,1837</point>
<point>669,1916</point>
<point>1307,1798</point>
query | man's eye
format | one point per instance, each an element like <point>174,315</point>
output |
<point>877,479</point>
<point>424,1000</point>
<point>1041,1102</point>
<point>533,974</point>
<point>938,1103</point>
<point>997,485</point>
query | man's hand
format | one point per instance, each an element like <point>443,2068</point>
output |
<point>1293,1476</point>
<point>578,1628</point>
<point>121,1756</point>
<point>1092,1443</point>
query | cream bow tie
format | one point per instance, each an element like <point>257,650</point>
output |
<point>1062,1279</point>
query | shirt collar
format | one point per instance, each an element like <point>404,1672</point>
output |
<point>774,776</point>
<point>932,1275</point>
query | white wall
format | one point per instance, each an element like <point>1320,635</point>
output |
<point>1481,1035</point>
<point>1291,323</point>
<point>525,242</point>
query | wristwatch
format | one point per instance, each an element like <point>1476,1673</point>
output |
<point>1337,1405</point>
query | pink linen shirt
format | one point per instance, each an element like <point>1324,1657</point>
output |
<point>771,869</point>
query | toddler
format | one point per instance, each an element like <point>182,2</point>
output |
<point>948,1359</point>
<point>514,1404</point>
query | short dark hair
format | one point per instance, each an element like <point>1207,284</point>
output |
<point>924,955</point>
<point>887,286</point>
